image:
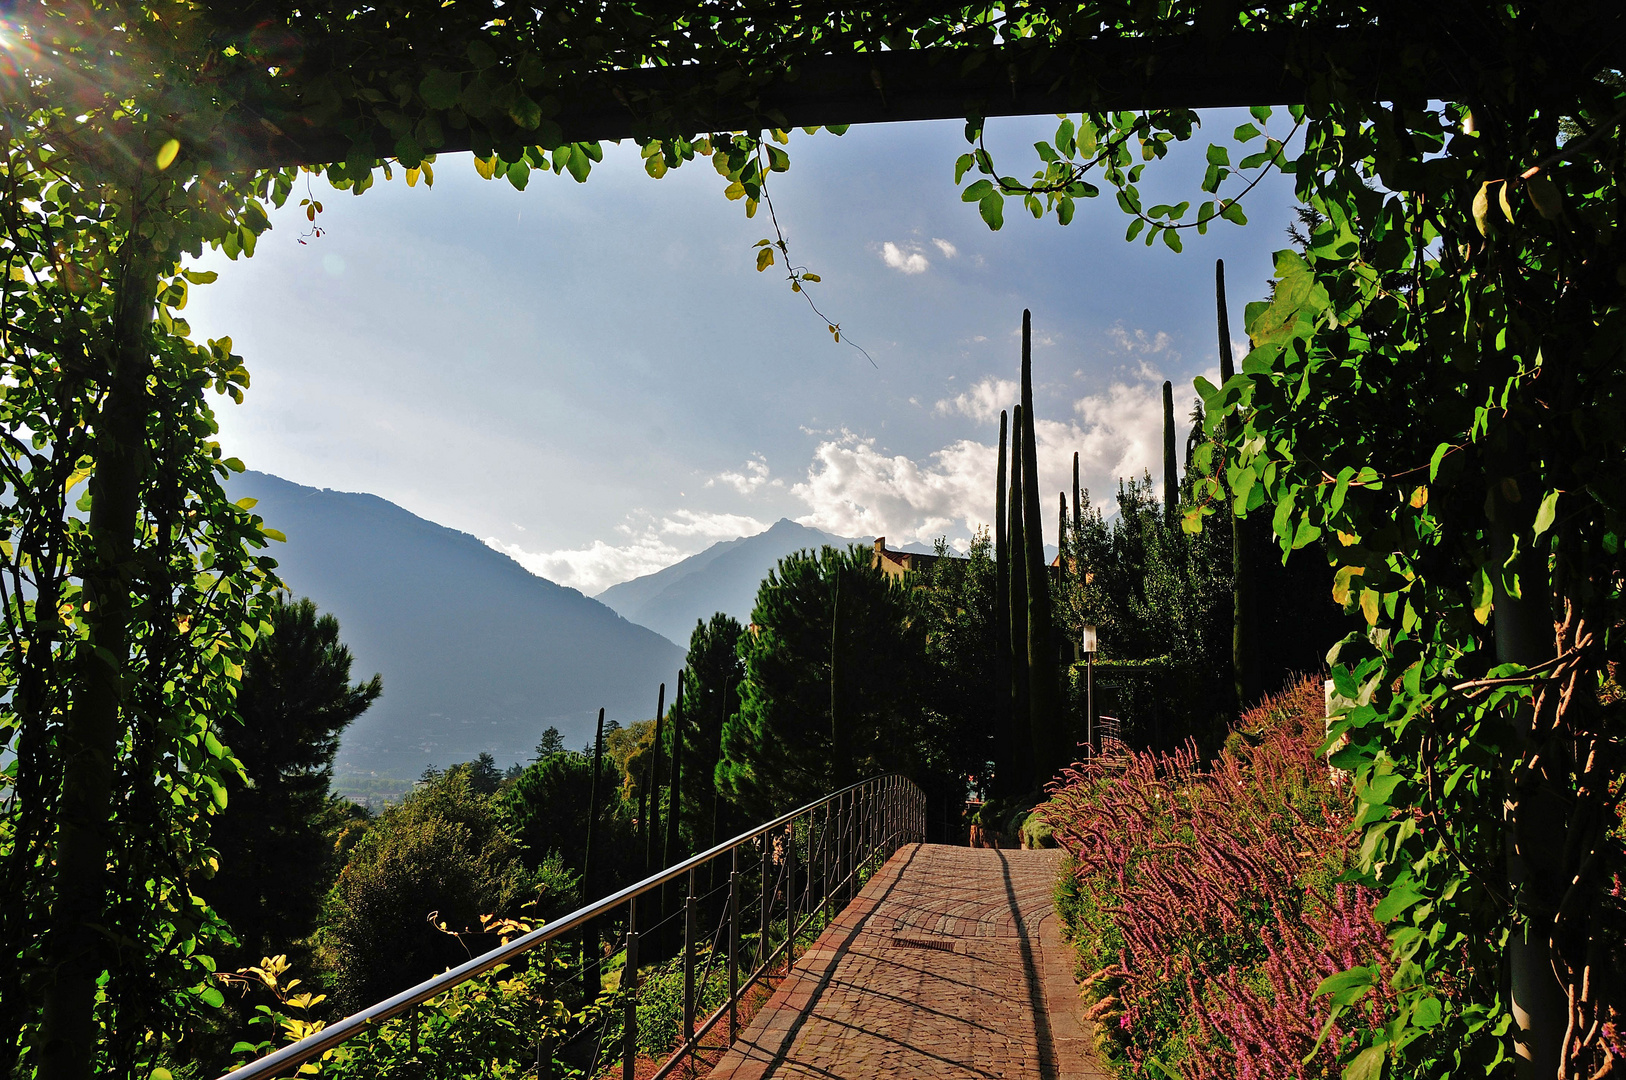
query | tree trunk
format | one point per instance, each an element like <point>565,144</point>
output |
<point>1535,824</point>
<point>90,731</point>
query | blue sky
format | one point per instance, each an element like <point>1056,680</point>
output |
<point>595,378</point>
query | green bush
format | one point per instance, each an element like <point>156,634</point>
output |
<point>409,902</point>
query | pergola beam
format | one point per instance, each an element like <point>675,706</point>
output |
<point>1183,71</point>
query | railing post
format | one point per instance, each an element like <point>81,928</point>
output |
<point>412,1033</point>
<point>824,857</point>
<point>629,988</point>
<point>767,901</point>
<point>544,1057</point>
<point>790,897</point>
<point>733,946</point>
<point>844,819</point>
<point>688,961</point>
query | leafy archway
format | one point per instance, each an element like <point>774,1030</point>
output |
<point>1432,389</point>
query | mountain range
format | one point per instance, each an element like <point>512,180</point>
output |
<point>477,653</point>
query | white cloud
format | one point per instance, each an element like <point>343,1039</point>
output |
<point>948,249</point>
<point>854,489</point>
<point>751,476</point>
<point>648,548</point>
<point>984,400</point>
<point>711,526</point>
<point>594,569</point>
<point>909,262</point>
<point>1139,341</point>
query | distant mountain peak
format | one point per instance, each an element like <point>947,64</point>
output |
<point>476,652</point>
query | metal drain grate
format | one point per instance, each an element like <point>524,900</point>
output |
<point>937,944</point>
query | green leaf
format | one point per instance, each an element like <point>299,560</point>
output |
<point>440,89</point>
<point>1218,155</point>
<point>1434,462</point>
<point>525,113</point>
<point>1064,137</point>
<point>1245,132</point>
<point>1547,512</point>
<point>1134,228</point>
<point>1233,213</point>
<point>1347,987</point>
<point>1368,1064</point>
<point>992,209</point>
<point>962,165</point>
<point>1397,902</point>
<point>1171,237</point>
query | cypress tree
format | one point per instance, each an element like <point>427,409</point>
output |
<point>674,806</point>
<point>1044,691</point>
<point>1021,731</point>
<point>1171,476</point>
<point>1241,588</point>
<point>588,892</point>
<point>652,777</point>
<point>1078,512</point>
<point>840,749</point>
<point>1004,736</point>
<point>1061,537</point>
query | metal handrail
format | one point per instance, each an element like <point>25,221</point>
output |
<point>341,1031</point>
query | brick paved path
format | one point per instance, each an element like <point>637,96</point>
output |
<point>949,964</point>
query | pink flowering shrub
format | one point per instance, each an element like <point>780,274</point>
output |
<point>1203,899</point>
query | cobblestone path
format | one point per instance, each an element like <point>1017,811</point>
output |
<point>950,964</point>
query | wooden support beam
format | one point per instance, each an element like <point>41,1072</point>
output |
<point>1178,71</point>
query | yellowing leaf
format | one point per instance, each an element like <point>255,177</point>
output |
<point>167,153</point>
<point>1481,209</point>
<point>1419,498</point>
<point>1341,582</point>
<point>764,259</point>
<point>1482,595</point>
<point>1369,606</point>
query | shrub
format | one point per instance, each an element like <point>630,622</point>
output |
<point>441,853</point>
<point>1205,901</point>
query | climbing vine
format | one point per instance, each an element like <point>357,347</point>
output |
<point>1430,396</point>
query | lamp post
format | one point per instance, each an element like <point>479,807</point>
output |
<point>1088,648</point>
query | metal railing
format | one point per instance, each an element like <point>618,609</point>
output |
<point>810,860</point>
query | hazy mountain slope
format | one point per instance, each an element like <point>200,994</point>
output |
<point>724,577</point>
<point>476,652</point>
